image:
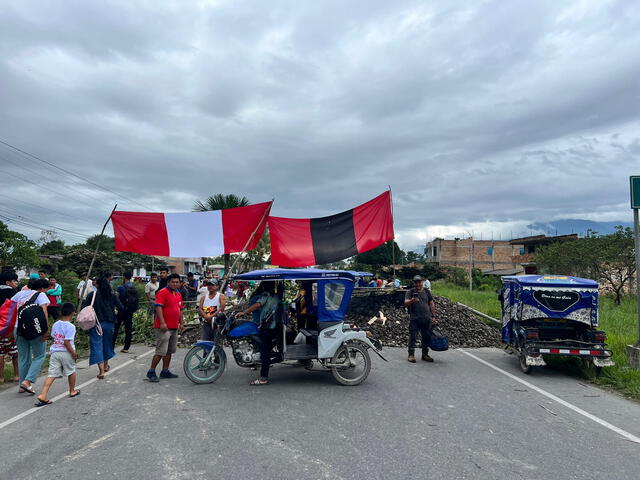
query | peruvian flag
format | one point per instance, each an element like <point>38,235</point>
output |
<point>194,234</point>
<point>303,242</point>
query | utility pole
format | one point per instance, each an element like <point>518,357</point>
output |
<point>471,264</point>
<point>633,352</point>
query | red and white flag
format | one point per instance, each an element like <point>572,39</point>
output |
<point>193,234</point>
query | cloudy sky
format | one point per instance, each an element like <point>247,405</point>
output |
<point>483,116</point>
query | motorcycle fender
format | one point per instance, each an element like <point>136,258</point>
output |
<point>329,343</point>
<point>208,345</point>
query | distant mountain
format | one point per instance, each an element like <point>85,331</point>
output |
<point>565,227</point>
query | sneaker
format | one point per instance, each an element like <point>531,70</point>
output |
<point>427,358</point>
<point>412,358</point>
<point>153,378</point>
<point>167,374</point>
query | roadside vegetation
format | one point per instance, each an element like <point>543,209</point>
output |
<point>619,321</point>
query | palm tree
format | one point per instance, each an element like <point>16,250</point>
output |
<point>220,201</point>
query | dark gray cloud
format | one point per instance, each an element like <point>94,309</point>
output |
<point>485,116</point>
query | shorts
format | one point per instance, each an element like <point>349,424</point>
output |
<point>166,342</point>
<point>8,347</point>
<point>61,364</point>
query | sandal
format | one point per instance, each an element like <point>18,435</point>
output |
<point>100,376</point>
<point>259,381</point>
<point>25,389</point>
<point>42,403</point>
<point>75,395</point>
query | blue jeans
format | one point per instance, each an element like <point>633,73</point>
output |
<point>101,346</point>
<point>30,368</point>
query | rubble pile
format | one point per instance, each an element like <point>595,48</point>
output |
<point>386,317</point>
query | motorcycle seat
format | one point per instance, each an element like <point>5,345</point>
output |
<point>308,332</point>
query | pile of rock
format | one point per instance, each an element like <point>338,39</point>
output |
<point>384,314</point>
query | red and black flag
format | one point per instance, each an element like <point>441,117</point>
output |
<point>303,242</point>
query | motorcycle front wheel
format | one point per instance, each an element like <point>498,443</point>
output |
<point>200,370</point>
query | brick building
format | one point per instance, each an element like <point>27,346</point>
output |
<point>495,257</point>
<point>490,256</point>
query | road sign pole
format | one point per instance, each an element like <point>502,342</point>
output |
<point>636,227</point>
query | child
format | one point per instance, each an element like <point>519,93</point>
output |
<point>63,355</point>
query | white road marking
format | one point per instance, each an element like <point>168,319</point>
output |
<point>20,416</point>
<point>93,445</point>
<point>604,423</point>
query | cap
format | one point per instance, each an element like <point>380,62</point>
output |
<point>34,276</point>
<point>213,281</point>
<point>417,278</point>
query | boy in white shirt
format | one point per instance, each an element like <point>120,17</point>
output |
<point>63,355</point>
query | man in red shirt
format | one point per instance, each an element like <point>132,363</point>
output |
<point>168,323</point>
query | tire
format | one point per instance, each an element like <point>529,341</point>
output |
<point>199,373</point>
<point>351,376</point>
<point>522,359</point>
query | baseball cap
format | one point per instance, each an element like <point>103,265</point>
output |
<point>417,278</point>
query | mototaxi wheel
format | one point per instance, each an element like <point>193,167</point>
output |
<point>198,369</point>
<point>351,375</point>
<point>522,359</point>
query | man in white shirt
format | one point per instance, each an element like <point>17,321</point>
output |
<point>150,290</point>
<point>85,284</point>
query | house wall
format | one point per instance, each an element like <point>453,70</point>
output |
<point>485,254</point>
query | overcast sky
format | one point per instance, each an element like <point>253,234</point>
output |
<point>481,115</point>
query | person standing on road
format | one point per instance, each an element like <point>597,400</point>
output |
<point>268,305</point>
<point>422,315</point>
<point>210,305</point>
<point>62,361</point>
<point>150,290</point>
<point>85,287</point>
<point>128,296</point>
<point>164,273</point>
<point>55,298</point>
<point>31,353</point>
<point>101,341</point>
<point>8,347</point>
<point>168,323</point>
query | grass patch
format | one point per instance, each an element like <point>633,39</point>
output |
<point>619,321</point>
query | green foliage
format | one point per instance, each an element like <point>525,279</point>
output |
<point>414,257</point>
<point>54,247</point>
<point>609,259</point>
<point>220,201</point>
<point>378,257</point>
<point>69,281</point>
<point>107,243</point>
<point>16,250</point>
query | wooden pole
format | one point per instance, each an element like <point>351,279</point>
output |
<point>95,254</point>
<point>393,242</point>
<point>225,279</point>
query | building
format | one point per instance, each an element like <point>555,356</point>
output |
<point>529,245</point>
<point>183,265</point>
<point>490,256</point>
<point>493,257</point>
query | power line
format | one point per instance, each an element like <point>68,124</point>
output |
<point>71,173</point>
<point>9,219</point>
<point>22,218</point>
<point>39,207</point>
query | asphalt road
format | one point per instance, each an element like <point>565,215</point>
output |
<point>454,419</point>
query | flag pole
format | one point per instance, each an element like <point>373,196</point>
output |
<point>233,265</point>
<point>393,242</point>
<point>95,254</point>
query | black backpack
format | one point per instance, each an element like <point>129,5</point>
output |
<point>133,301</point>
<point>32,322</point>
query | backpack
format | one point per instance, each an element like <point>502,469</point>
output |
<point>7,318</point>
<point>132,302</point>
<point>87,318</point>
<point>32,322</point>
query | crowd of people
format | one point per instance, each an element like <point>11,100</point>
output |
<point>167,295</point>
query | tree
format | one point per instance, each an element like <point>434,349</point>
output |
<point>609,259</point>
<point>379,257</point>
<point>52,247</point>
<point>107,243</point>
<point>16,249</point>
<point>414,257</point>
<point>220,201</point>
